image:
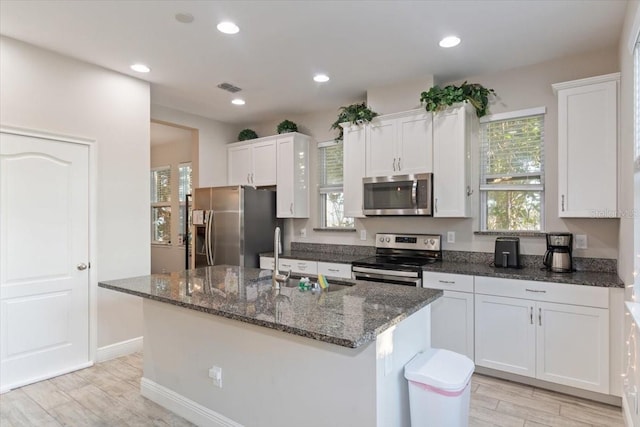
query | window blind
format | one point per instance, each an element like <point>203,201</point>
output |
<point>330,164</point>
<point>184,187</point>
<point>161,185</point>
<point>512,154</point>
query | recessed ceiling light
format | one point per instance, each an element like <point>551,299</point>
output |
<point>185,18</point>
<point>238,101</point>
<point>321,78</point>
<point>141,68</point>
<point>228,27</point>
<point>450,41</point>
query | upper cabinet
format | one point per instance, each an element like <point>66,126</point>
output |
<point>399,144</point>
<point>353,144</point>
<point>252,163</point>
<point>588,146</point>
<point>453,131</point>
<point>293,175</point>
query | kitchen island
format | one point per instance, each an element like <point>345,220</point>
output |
<point>287,357</point>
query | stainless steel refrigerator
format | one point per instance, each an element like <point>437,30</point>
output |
<point>232,225</point>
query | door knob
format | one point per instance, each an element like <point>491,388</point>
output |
<point>82,266</point>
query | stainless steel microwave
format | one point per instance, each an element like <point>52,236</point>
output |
<point>398,195</point>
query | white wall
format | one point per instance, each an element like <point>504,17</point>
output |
<point>44,91</point>
<point>210,161</point>
<point>517,89</point>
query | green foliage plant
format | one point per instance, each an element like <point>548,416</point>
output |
<point>246,134</point>
<point>355,114</point>
<point>437,98</point>
<point>286,126</point>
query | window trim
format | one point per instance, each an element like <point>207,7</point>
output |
<point>483,189</point>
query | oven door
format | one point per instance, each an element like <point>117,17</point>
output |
<point>406,278</point>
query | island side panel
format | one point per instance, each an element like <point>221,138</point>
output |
<point>395,347</point>
<point>269,378</point>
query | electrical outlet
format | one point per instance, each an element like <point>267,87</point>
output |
<point>581,241</point>
<point>363,234</point>
<point>303,232</point>
<point>451,236</point>
<point>215,373</point>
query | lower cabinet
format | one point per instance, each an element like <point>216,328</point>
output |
<point>296,266</point>
<point>561,343</point>
<point>452,316</point>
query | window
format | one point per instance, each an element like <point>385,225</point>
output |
<point>184,188</point>
<point>512,171</point>
<point>161,205</point>
<point>330,186</point>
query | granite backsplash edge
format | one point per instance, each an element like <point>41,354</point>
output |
<point>602,265</point>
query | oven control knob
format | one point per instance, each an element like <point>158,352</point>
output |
<point>382,239</point>
<point>432,242</point>
<point>387,240</point>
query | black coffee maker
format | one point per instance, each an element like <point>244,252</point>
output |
<point>558,256</point>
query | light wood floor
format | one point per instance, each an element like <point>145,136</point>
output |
<point>107,394</point>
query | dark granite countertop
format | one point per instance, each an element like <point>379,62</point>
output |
<point>337,257</point>
<point>587,278</point>
<point>349,316</point>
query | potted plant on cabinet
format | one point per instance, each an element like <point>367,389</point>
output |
<point>437,98</point>
<point>355,114</point>
<point>246,134</point>
<point>286,126</point>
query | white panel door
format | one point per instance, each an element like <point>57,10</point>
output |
<point>505,334</point>
<point>573,346</point>
<point>415,139</point>
<point>285,175</point>
<point>353,145</point>
<point>239,161</point>
<point>44,255</point>
<point>264,163</point>
<point>452,323</point>
<point>381,148</point>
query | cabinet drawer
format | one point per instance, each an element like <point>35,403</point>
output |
<point>590,296</point>
<point>298,266</point>
<point>267,263</point>
<point>332,269</point>
<point>448,282</point>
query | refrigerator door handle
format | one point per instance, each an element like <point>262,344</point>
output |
<point>206,238</point>
<point>212,241</point>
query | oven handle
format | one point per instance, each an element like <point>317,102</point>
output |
<point>381,273</point>
<point>409,281</point>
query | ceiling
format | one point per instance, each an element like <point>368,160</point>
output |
<point>282,44</point>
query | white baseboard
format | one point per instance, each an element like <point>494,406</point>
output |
<point>183,406</point>
<point>118,349</point>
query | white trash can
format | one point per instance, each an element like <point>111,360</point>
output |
<point>439,388</point>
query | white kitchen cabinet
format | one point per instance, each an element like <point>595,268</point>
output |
<point>452,318</point>
<point>550,335</point>
<point>298,266</point>
<point>353,146</point>
<point>267,262</point>
<point>293,176</point>
<point>454,132</point>
<point>334,269</point>
<point>252,163</point>
<point>399,144</point>
<point>588,146</point>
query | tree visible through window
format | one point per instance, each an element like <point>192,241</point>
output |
<point>512,173</point>
<point>330,163</point>
<point>161,205</point>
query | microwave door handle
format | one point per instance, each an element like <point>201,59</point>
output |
<point>414,194</point>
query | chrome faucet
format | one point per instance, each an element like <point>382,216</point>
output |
<point>277,278</point>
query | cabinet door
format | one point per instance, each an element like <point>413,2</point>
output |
<point>573,346</point>
<point>298,266</point>
<point>353,145</point>
<point>239,160</point>
<point>505,334</point>
<point>267,263</point>
<point>293,177</point>
<point>452,323</point>
<point>415,144</point>
<point>451,178</point>
<point>381,148</point>
<point>587,150</point>
<point>264,163</point>
<point>332,269</point>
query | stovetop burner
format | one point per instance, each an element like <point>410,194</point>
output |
<point>403,251</point>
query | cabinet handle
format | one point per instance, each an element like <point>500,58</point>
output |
<point>399,167</point>
<point>563,203</point>
<point>248,178</point>
<point>286,265</point>
<point>394,164</point>
<point>469,190</point>
<point>335,270</point>
<point>291,208</point>
<point>435,205</point>
<point>540,316</point>
<point>536,291</point>
<point>448,282</point>
<point>302,266</point>
<point>252,181</point>
<point>531,315</point>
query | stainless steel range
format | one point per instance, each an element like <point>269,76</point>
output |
<point>399,259</point>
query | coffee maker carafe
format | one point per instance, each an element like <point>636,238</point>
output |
<point>558,256</point>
